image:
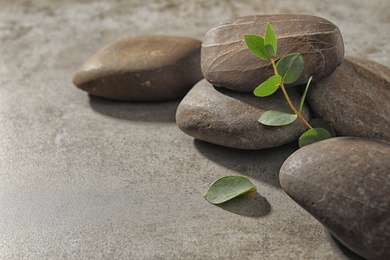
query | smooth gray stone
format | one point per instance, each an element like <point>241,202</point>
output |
<point>142,68</point>
<point>344,182</point>
<point>230,118</point>
<point>227,62</point>
<point>355,99</point>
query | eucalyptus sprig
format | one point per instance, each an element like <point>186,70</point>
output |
<point>287,70</point>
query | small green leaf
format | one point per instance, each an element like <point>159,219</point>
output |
<point>304,95</point>
<point>321,123</point>
<point>270,50</point>
<point>270,41</point>
<point>277,117</point>
<point>290,67</point>
<point>256,45</point>
<point>313,135</point>
<point>227,188</point>
<point>268,87</point>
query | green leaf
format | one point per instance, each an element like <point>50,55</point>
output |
<point>321,123</point>
<point>270,41</point>
<point>277,117</point>
<point>304,95</point>
<point>268,87</point>
<point>313,135</point>
<point>256,45</point>
<point>270,50</point>
<point>227,188</point>
<point>290,67</point>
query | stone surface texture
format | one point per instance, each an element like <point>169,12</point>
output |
<point>229,118</point>
<point>142,68</point>
<point>227,62</point>
<point>89,178</point>
<point>355,99</point>
<point>344,182</point>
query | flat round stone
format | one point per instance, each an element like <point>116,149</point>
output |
<point>142,68</point>
<point>344,182</point>
<point>355,99</point>
<point>230,118</point>
<point>227,62</point>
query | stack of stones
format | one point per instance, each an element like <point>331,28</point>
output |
<point>222,109</point>
<point>344,182</point>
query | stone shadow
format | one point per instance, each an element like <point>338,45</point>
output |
<point>163,111</point>
<point>263,165</point>
<point>342,249</point>
<point>250,205</point>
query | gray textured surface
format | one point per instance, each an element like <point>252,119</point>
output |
<point>85,178</point>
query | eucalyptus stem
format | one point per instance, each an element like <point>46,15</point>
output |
<point>288,70</point>
<point>288,98</point>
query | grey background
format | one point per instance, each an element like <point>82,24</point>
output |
<point>88,178</point>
